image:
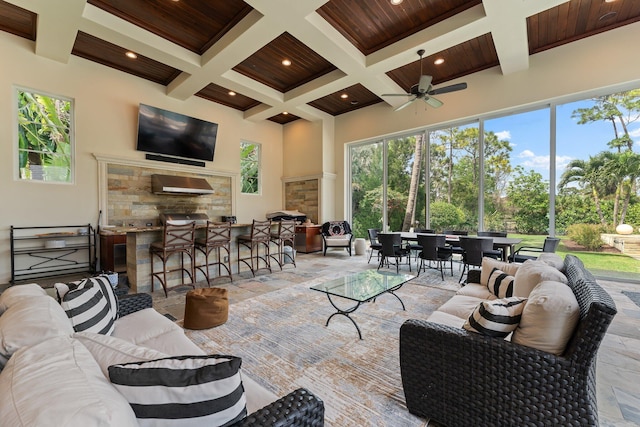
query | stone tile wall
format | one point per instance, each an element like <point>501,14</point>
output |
<point>303,195</point>
<point>130,200</point>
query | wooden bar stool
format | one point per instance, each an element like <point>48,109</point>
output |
<point>217,238</point>
<point>260,237</point>
<point>177,239</point>
<point>285,237</point>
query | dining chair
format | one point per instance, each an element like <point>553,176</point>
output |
<point>392,249</point>
<point>520,255</point>
<point>492,234</point>
<point>474,249</point>
<point>374,244</point>
<point>434,249</point>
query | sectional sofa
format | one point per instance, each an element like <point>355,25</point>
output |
<point>54,375</point>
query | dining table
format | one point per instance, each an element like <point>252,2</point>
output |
<point>505,244</point>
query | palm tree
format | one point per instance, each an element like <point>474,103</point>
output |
<point>590,177</point>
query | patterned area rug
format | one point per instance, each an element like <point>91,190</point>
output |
<point>284,345</point>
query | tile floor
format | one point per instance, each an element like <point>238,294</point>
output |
<point>618,369</point>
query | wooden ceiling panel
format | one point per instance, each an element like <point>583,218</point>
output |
<point>95,49</point>
<point>266,66</point>
<point>466,58</point>
<point>194,24</point>
<point>578,19</point>
<point>283,119</point>
<point>18,21</point>
<point>218,94</point>
<point>358,96</point>
<point>373,24</point>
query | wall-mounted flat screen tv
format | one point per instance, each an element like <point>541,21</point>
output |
<point>173,134</point>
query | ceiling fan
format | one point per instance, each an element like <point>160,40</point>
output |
<point>424,90</point>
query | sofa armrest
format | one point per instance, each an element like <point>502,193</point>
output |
<point>128,304</point>
<point>300,408</point>
<point>452,376</point>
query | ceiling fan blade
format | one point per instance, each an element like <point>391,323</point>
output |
<point>447,89</point>
<point>434,102</point>
<point>424,84</point>
<point>406,104</point>
<point>397,94</point>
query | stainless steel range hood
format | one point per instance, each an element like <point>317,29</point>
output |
<point>180,185</point>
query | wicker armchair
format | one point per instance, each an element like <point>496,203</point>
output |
<point>457,378</point>
<point>300,408</point>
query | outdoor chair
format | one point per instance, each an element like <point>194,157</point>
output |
<point>474,249</point>
<point>392,249</point>
<point>492,234</point>
<point>434,249</point>
<point>374,245</point>
<point>336,234</point>
<point>528,252</point>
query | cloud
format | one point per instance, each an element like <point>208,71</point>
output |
<point>533,161</point>
<point>635,133</point>
<point>502,135</point>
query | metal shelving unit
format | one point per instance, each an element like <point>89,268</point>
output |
<point>49,251</point>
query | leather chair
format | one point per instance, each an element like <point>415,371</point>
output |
<point>176,240</point>
<point>217,239</point>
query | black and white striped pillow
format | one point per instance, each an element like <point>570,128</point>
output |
<point>90,304</point>
<point>183,390</point>
<point>500,283</point>
<point>496,318</point>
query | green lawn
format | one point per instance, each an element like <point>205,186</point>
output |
<point>601,264</point>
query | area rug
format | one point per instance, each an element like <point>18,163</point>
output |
<point>633,296</point>
<point>284,344</point>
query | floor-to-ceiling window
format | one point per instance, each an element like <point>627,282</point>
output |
<point>454,177</point>
<point>570,170</point>
<point>367,177</point>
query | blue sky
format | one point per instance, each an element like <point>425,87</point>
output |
<point>528,134</point>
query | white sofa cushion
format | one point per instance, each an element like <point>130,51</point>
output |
<point>14,293</point>
<point>29,321</point>
<point>183,390</point>
<point>460,305</point>
<point>497,318</point>
<point>476,290</point>
<point>342,240</point>
<point>549,318</point>
<point>553,259</point>
<point>108,350</point>
<point>446,319</point>
<point>533,272</point>
<point>57,382</point>
<point>488,264</point>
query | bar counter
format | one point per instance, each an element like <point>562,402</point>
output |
<point>138,260</point>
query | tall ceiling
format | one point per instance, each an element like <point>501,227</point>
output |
<point>358,48</point>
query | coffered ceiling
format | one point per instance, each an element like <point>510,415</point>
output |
<point>343,54</point>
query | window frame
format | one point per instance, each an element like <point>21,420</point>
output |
<point>257,161</point>
<point>17,90</point>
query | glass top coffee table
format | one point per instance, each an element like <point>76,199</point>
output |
<point>361,287</point>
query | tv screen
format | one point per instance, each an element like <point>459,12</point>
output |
<point>173,134</point>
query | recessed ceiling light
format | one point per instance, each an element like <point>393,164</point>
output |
<point>344,96</point>
<point>609,1</point>
<point>232,93</point>
<point>396,2</point>
<point>286,62</point>
<point>286,113</point>
<point>439,61</point>
<point>131,55</point>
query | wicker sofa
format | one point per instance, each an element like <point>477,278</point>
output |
<point>54,373</point>
<point>456,377</point>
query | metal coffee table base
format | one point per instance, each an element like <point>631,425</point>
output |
<point>350,310</point>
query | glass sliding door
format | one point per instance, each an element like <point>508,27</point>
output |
<point>517,173</point>
<point>367,171</point>
<point>597,166</point>
<point>454,178</point>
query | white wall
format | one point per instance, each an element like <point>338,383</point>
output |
<point>606,63</point>
<point>106,103</point>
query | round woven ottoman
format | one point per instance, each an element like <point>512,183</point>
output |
<point>206,308</point>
